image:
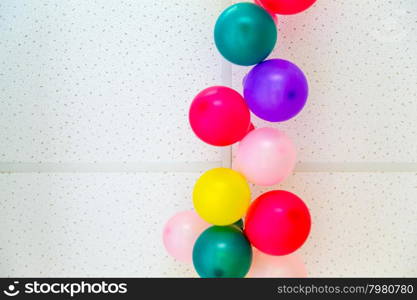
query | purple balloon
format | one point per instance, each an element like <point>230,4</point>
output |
<point>276,90</point>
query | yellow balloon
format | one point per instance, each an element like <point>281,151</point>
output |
<point>221,196</point>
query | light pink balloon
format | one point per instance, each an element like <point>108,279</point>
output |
<point>288,266</point>
<point>180,234</point>
<point>266,156</point>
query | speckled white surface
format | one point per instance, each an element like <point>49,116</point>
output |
<point>89,224</point>
<point>104,81</point>
<point>107,85</point>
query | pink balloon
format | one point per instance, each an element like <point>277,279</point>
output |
<point>266,156</point>
<point>288,266</point>
<point>180,234</point>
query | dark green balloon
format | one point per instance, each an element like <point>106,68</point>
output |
<point>245,34</point>
<point>222,251</point>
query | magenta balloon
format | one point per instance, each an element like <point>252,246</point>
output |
<point>276,90</point>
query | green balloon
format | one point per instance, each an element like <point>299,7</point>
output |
<point>245,34</point>
<point>222,251</point>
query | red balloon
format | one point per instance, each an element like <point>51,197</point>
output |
<point>219,116</point>
<point>286,7</point>
<point>277,223</point>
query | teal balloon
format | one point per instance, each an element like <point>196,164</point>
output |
<point>222,251</point>
<point>245,34</point>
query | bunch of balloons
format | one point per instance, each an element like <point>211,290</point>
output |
<point>214,237</point>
